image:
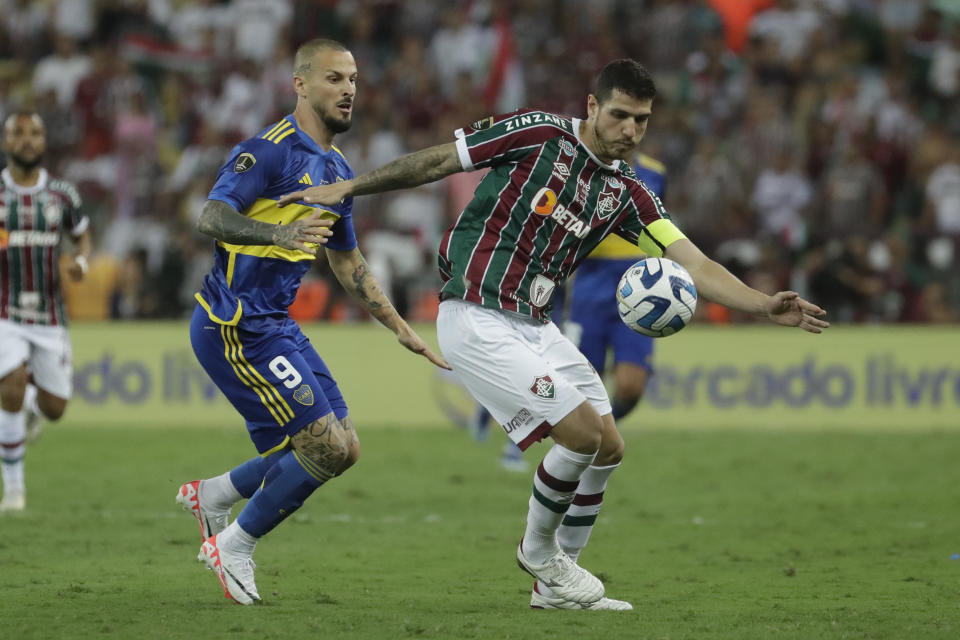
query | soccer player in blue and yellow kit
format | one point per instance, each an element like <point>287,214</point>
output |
<point>594,324</point>
<point>241,330</point>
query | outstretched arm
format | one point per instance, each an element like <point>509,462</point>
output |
<point>715,283</point>
<point>419,167</point>
<point>355,277</point>
<point>221,221</point>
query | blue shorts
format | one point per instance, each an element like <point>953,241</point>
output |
<point>276,381</point>
<point>593,306</point>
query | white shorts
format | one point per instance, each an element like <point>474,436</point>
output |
<point>45,350</point>
<point>527,374</point>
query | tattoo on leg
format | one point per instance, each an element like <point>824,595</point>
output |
<point>349,431</point>
<point>325,442</point>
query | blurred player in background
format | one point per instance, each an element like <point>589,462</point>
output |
<point>558,187</point>
<point>590,319</point>
<point>243,335</point>
<point>35,211</point>
<point>593,323</point>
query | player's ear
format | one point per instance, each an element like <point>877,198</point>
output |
<point>298,86</point>
<point>593,105</point>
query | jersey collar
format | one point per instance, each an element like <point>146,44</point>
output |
<point>307,140</point>
<point>576,131</point>
<point>27,191</point>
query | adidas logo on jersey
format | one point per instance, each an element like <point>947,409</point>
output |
<point>305,179</point>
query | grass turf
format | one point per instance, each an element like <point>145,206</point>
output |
<point>711,534</point>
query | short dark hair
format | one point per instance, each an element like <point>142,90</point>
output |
<point>306,51</point>
<point>627,76</point>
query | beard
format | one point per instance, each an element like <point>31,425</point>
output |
<point>612,148</point>
<point>335,123</point>
<point>25,163</point>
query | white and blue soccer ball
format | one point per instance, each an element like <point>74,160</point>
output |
<point>656,297</point>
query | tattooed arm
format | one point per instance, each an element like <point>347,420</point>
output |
<point>354,275</point>
<point>411,170</point>
<point>221,221</point>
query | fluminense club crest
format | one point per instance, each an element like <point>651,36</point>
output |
<point>542,387</point>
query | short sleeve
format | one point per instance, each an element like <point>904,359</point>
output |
<point>344,237</point>
<point>248,172</point>
<point>507,138</point>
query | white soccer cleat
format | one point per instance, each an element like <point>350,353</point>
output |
<point>13,501</point>
<point>234,571</point>
<point>34,423</point>
<point>565,577</point>
<point>211,521</point>
<point>540,601</point>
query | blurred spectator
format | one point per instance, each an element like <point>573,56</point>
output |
<point>783,123</point>
<point>61,71</point>
<point>780,199</point>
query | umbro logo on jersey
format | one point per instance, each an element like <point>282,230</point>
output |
<point>305,179</point>
<point>561,170</point>
<point>245,162</point>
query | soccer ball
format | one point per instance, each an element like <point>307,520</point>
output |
<point>656,297</point>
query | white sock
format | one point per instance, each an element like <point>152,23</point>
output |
<point>30,400</point>
<point>577,525</point>
<point>554,486</point>
<point>235,540</point>
<point>219,493</point>
<point>13,433</point>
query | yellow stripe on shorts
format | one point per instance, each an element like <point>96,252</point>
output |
<point>229,352</point>
<point>263,382</point>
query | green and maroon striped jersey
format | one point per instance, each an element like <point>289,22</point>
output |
<point>32,220</point>
<point>545,204</point>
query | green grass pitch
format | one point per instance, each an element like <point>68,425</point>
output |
<point>711,534</point>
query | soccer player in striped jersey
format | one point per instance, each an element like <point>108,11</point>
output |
<point>36,211</point>
<point>558,186</point>
<point>594,324</point>
<point>243,335</point>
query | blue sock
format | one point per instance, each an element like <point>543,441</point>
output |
<point>286,485</point>
<point>248,477</point>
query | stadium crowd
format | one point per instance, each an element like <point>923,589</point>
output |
<point>810,144</point>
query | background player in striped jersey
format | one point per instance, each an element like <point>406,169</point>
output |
<point>244,336</point>
<point>557,188</point>
<point>35,210</point>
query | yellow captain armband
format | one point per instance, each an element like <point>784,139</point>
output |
<point>657,236</point>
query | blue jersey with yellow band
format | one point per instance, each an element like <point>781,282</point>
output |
<point>253,285</point>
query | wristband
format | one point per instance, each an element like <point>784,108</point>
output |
<point>82,261</point>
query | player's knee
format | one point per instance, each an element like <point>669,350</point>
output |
<point>12,388</point>
<point>325,443</point>
<point>611,451</point>
<point>353,454</point>
<point>52,408</point>
<point>587,436</point>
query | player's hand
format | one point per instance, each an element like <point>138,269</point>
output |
<point>77,268</point>
<point>328,194</point>
<point>787,308</point>
<point>415,343</point>
<point>305,234</point>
